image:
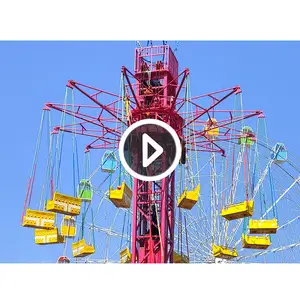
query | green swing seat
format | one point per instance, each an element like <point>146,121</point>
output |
<point>85,190</point>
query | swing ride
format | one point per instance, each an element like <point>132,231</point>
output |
<point>232,197</point>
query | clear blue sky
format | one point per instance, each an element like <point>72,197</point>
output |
<point>32,73</point>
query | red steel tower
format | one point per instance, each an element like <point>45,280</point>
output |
<point>156,91</point>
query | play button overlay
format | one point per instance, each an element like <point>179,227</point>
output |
<point>146,141</point>
<point>150,150</point>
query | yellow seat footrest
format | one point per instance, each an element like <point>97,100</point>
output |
<point>38,219</point>
<point>180,259</point>
<point>224,252</point>
<point>81,249</point>
<point>189,198</point>
<point>121,197</point>
<point>64,204</point>
<point>239,210</point>
<point>263,226</point>
<point>255,242</point>
<point>46,237</point>
<point>125,256</point>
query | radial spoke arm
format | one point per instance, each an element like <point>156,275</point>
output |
<point>274,250</point>
<point>93,97</point>
<point>297,180</point>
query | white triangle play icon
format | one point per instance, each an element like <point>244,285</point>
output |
<point>146,139</point>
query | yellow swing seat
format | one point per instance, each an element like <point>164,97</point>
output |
<point>68,227</point>
<point>46,237</point>
<point>180,259</point>
<point>263,226</point>
<point>189,198</point>
<point>210,128</point>
<point>255,242</point>
<point>224,252</point>
<point>38,219</point>
<point>64,204</point>
<point>81,249</point>
<point>125,256</point>
<point>121,197</point>
<point>238,210</point>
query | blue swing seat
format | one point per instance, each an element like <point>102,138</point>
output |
<point>279,153</point>
<point>109,162</point>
